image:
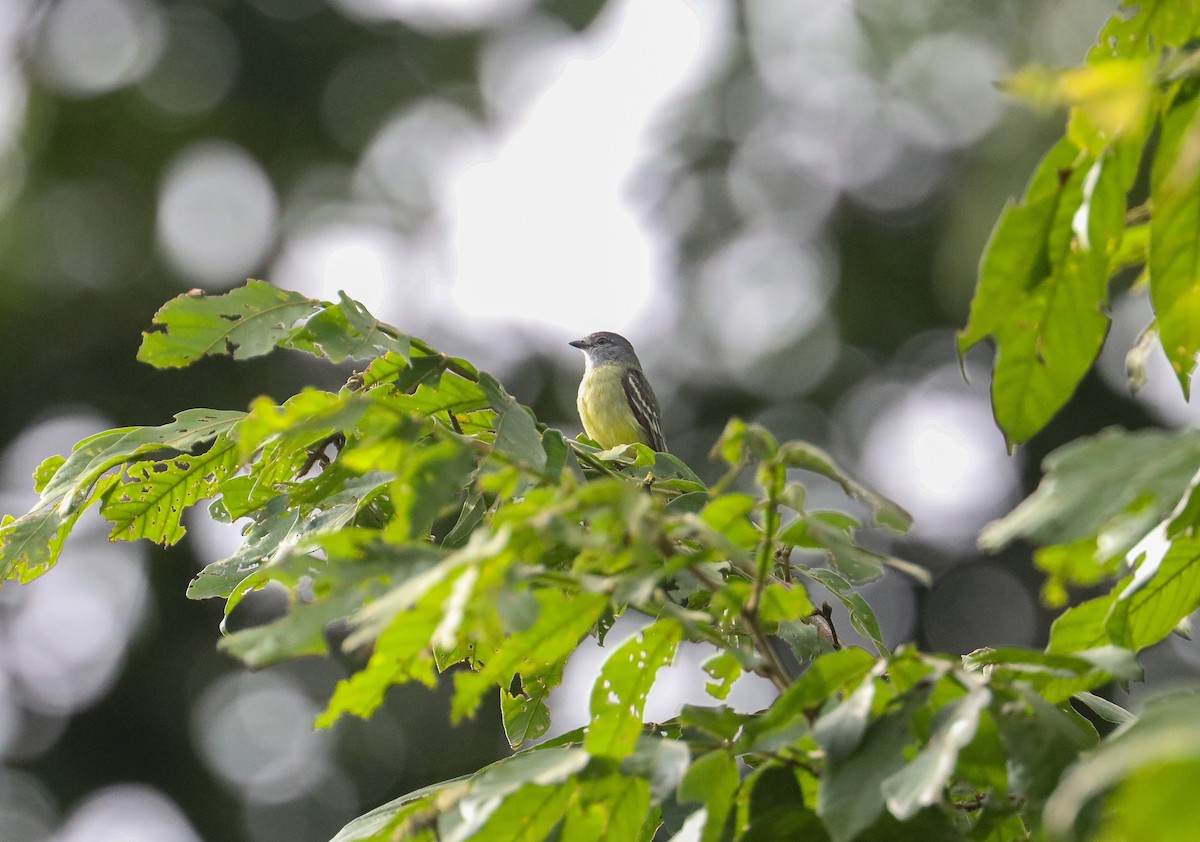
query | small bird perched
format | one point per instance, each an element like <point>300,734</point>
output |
<point>616,403</point>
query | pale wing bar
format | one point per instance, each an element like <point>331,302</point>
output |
<point>645,407</point>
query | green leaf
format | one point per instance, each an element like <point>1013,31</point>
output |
<point>299,632</point>
<point>1103,708</point>
<point>862,616</point>
<point>300,421</point>
<point>1040,742</point>
<point>272,535</point>
<point>729,514</point>
<point>376,825</point>
<point>851,795</point>
<point>533,771</point>
<point>149,499</point>
<point>809,457</point>
<point>662,761</point>
<point>525,712</point>
<point>46,471</point>
<point>1164,590</point>
<point>1082,626</point>
<point>922,782</point>
<point>787,719</point>
<point>245,322</point>
<point>610,807</point>
<point>1057,677</point>
<point>563,620</point>
<point>839,730</point>
<point>724,668</point>
<point>516,431</point>
<point>1141,28</point>
<point>30,545</point>
<point>854,562</point>
<point>430,479</point>
<point>528,815</point>
<point>772,807</point>
<point>1175,239</point>
<point>712,781</point>
<point>1093,479</point>
<point>346,331</point>
<point>619,694</point>
<point>741,442</point>
<point>1157,755</point>
<point>1043,286</point>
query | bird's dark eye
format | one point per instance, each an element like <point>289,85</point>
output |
<point>603,340</point>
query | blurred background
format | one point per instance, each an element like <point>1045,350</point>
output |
<point>781,203</point>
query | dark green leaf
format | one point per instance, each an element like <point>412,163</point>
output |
<point>922,782</point>
<point>862,617</point>
<point>851,795</point>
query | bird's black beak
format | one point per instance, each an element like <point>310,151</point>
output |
<point>578,343</point>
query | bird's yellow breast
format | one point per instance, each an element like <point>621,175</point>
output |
<point>604,409</point>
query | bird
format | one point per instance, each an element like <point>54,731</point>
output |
<point>616,404</point>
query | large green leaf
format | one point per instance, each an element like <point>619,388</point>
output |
<point>1175,239</point>
<point>712,781</point>
<point>1143,27</point>
<point>1165,589</point>
<point>30,545</point>
<point>851,797</point>
<point>346,331</point>
<point>150,498</point>
<point>1151,768</point>
<point>517,437</point>
<point>1057,676</point>
<point>619,694</point>
<point>1043,285</point>
<point>1093,479</point>
<point>922,782</point>
<point>562,621</point>
<point>245,322</point>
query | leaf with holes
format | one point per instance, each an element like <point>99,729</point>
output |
<point>619,694</point>
<point>245,322</point>
<point>150,498</point>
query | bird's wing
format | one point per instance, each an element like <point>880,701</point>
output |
<point>644,405</point>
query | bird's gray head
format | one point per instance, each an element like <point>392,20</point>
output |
<point>604,347</point>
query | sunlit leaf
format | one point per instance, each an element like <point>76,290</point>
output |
<point>1043,285</point>
<point>346,331</point>
<point>1162,592</point>
<point>150,498</point>
<point>1175,239</point>
<point>619,694</point>
<point>245,322</point>
<point>562,622</point>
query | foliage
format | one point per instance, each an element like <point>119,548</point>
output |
<point>435,522</point>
